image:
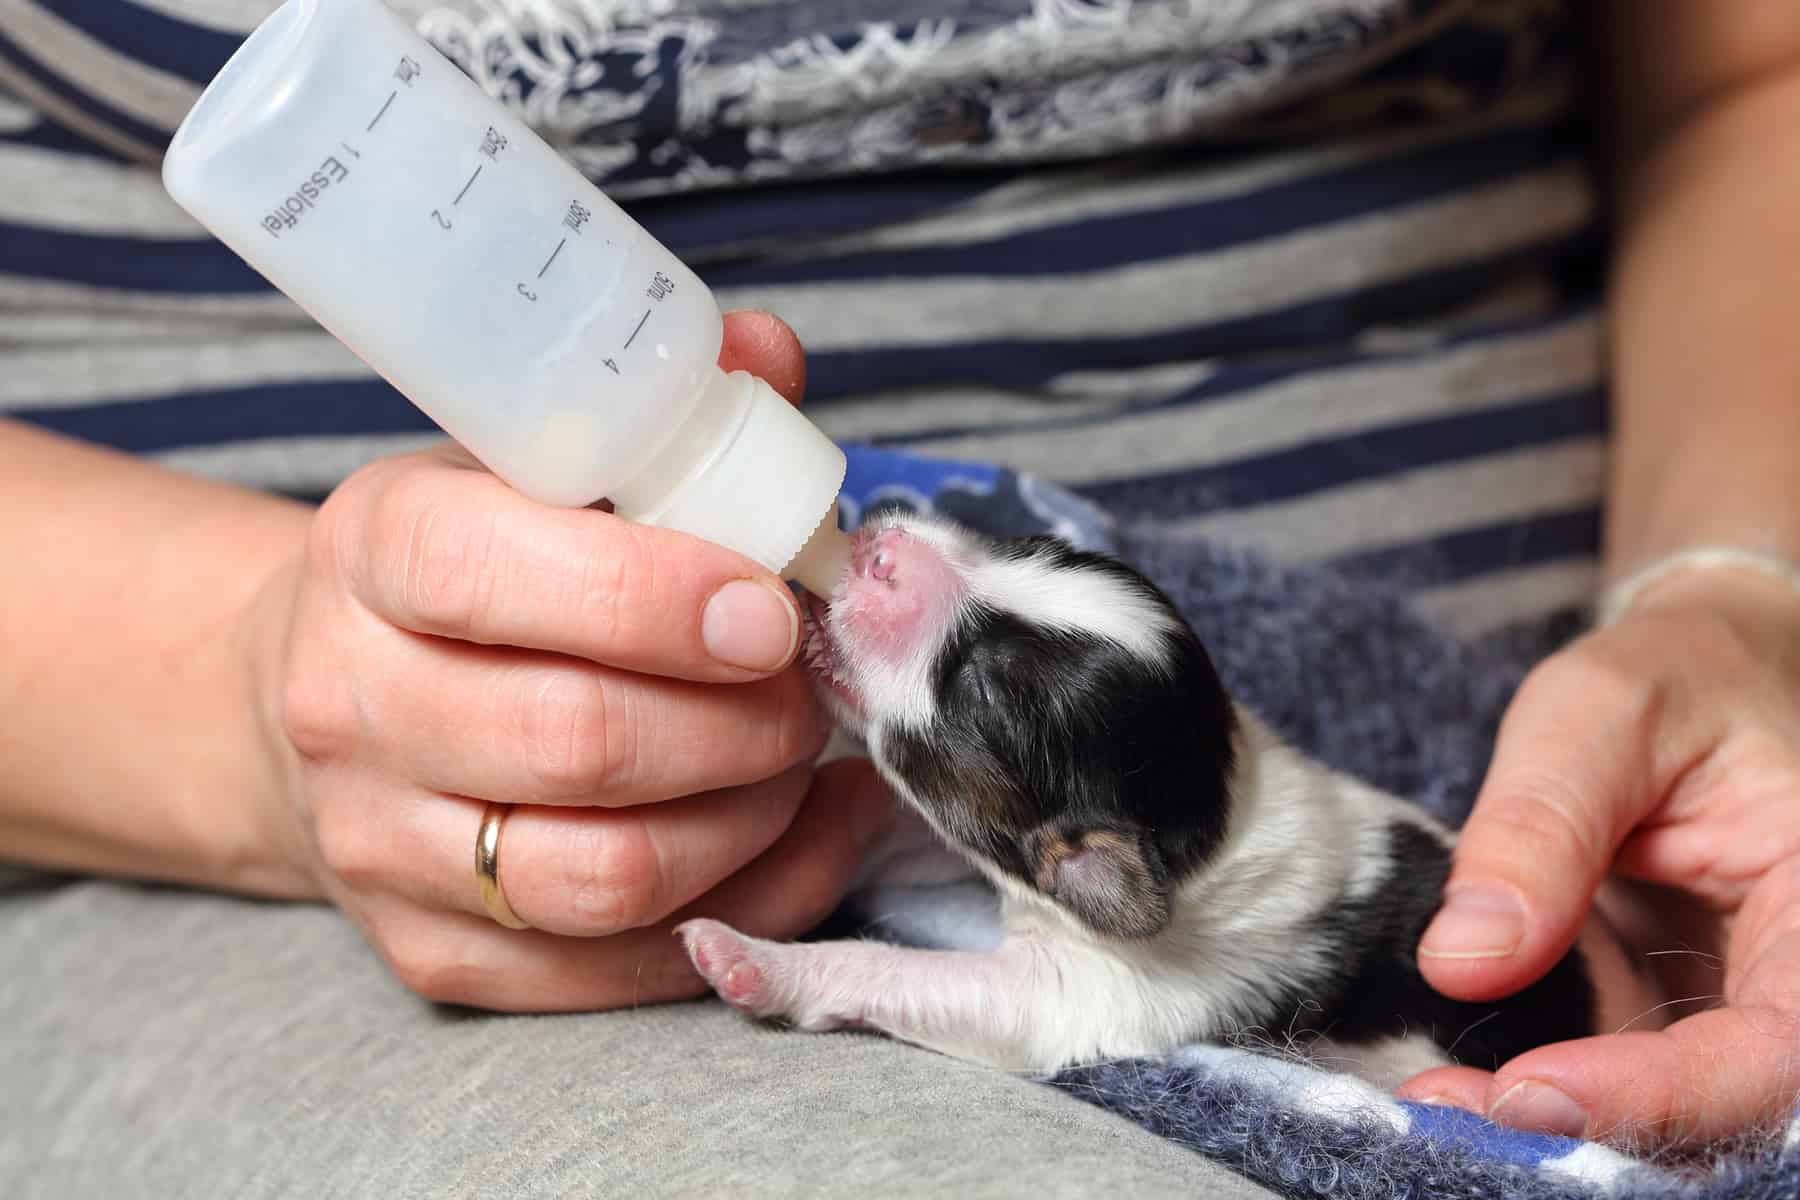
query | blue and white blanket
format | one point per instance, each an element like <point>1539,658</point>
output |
<point>1347,670</point>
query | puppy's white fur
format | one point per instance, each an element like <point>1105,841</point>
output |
<point>1052,994</point>
<point>1242,937</point>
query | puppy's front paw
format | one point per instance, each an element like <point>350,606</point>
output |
<point>725,958</point>
<point>762,978</point>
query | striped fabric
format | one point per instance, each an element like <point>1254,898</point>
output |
<point>1376,349</point>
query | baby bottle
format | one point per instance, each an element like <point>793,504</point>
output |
<point>496,288</point>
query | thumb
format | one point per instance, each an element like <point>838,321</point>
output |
<point>1571,776</point>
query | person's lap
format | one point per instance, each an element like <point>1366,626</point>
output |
<point>157,1042</point>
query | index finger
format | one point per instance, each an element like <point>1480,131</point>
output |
<point>764,345</point>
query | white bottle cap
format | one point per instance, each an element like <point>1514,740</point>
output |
<point>746,470</point>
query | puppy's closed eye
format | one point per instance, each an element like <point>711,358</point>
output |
<point>1109,879</point>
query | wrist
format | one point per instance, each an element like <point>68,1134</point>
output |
<point>279,858</point>
<point>1708,574</point>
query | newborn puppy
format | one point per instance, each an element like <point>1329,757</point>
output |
<point>1168,870</point>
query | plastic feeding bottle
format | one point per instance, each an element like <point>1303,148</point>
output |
<point>485,278</point>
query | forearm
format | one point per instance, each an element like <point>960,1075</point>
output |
<point>131,740</point>
<point>1705,322</point>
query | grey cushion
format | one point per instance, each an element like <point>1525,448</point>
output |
<point>159,1043</point>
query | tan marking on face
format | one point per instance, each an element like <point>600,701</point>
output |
<point>1052,849</point>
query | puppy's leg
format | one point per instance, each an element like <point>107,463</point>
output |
<point>1028,1005</point>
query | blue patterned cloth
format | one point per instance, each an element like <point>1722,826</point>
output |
<point>1349,671</point>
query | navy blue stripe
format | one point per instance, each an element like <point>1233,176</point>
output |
<point>205,266</point>
<point>1094,243</point>
<point>1369,454</point>
<point>692,223</point>
<point>179,47</point>
<point>1028,364</point>
<point>1231,380</point>
<point>186,266</point>
<point>1573,534</point>
<point>1529,639</point>
<point>313,409</point>
<point>101,112</point>
<point>46,134</point>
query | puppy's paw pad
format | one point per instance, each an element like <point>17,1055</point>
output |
<point>724,959</point>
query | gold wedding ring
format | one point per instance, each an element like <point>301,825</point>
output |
<point>487,867</point>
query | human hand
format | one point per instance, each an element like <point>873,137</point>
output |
<point>444,642</point>
<point>1664,748</point>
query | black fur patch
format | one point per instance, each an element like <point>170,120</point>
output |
<point>1379,991</point>
<point>1045,736</point>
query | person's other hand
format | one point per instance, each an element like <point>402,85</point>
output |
<point>1664,750</point>
<point>444,642</point>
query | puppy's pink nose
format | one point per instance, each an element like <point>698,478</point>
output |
<point>881,564</point>
<point>875,557</point>
<point>900,595</point>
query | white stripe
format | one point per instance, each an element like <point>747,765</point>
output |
<point>1593,1164</point>
<point>905,413</point>
<point>1495,600</point>
<point>1334,402</point>
<point>127,84</point>
<point>16,116</point>
<point>83,194</point>
<point>1285,1083</point>
<point>268,310</point>
<point>1137,383</point>
<point>300,465</point>
<point>69,376</point>
<point>1171,294</point>
<point>222,16</point>
<point>1412,506</point>
<point>77,120</point>
<point>21,328</point>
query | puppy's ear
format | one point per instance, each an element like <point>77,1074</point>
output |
<point>1113,881</point>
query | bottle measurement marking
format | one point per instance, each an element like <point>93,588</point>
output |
<point>638,330</point>
<point>383,112</point>
<point>467,186</point>
<point>552,257</point>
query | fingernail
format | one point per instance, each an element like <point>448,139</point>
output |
<point>749,625</point>
<point>1478,921</point>
<point>1539,1108</point>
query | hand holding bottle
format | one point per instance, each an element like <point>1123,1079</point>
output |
<point>444,642</point>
